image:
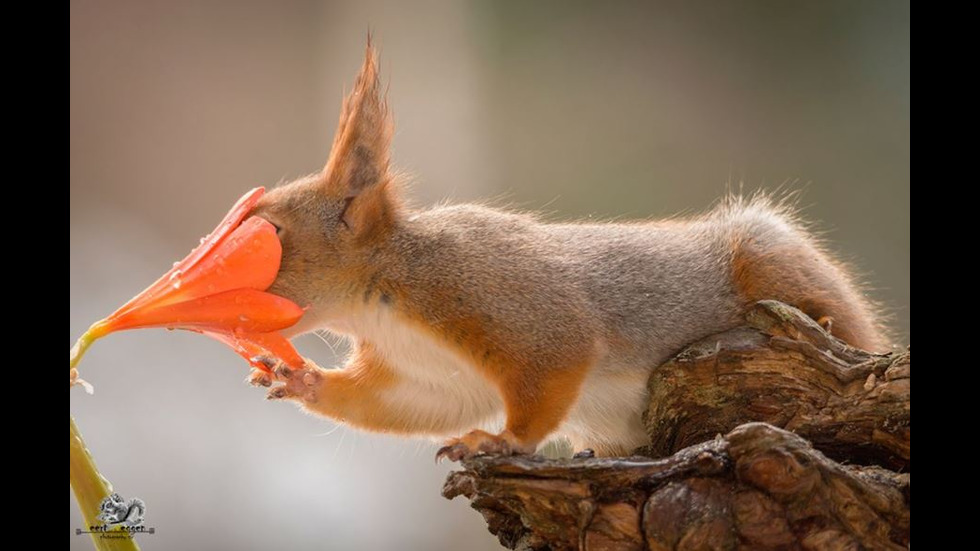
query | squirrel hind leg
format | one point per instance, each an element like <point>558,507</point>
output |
<point>535,404</point>
<point>478,441</point>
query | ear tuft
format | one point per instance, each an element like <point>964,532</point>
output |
<point>360,153</point>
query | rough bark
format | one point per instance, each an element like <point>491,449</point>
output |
<point>785,370</point>
<point>759,486</point>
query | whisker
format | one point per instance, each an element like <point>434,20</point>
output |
<point>323,338</point>
<point>340,442</point>
<point>329,432</point>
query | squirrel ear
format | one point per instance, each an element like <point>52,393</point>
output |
<point>359,156</point>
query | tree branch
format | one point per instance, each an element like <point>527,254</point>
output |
<point>758,486</point>
<point>785,370</point>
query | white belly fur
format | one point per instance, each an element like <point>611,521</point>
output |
<point>442,384</point>
<point>608,413</point>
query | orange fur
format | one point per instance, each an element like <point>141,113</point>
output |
<point>353,395</point>
<point>800,273</point>
<point>462,314</point>
<point>359,158</point>
<point>537,391</point>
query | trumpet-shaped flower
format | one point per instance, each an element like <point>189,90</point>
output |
<point>219,290</point>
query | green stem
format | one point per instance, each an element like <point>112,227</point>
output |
<point>96,331</point>
<point>77,351</point>
<point>90,489</point>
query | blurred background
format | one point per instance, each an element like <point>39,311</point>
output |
<point>578,108</point>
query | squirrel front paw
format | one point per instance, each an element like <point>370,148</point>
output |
<point>300,384</point>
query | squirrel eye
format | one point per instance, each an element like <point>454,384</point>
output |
<point>343,211</point>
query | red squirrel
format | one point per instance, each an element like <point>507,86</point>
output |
<point>460,315</point>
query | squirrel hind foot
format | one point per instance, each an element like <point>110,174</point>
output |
<point>477,442</point>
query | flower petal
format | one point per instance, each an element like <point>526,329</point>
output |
<point>219,290</point>
<point>234,311</point>
<point>247,259</point>
<point>165,284</point>
<point>253,346</point>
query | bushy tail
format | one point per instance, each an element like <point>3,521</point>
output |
<point>775,256</point>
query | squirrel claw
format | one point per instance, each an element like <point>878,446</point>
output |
<point>268,362</point>
<point>274,366</point>
<point>279,393</point>
<point>453,452</point>
<point>480,442</point>
<point>257,377</point>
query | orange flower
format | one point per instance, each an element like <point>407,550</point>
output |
<point>218,290</point>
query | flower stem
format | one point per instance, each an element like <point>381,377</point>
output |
<point>95,332</point>
<point>90,489</point>
<point>77,351</point>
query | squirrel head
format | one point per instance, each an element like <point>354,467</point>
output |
<point>332,223</point>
